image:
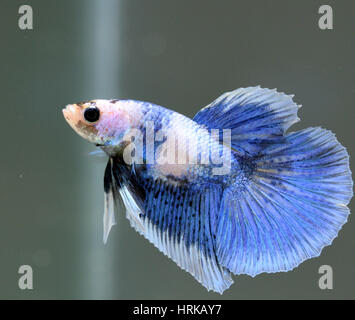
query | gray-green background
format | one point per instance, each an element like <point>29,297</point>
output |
<point>180,54</point>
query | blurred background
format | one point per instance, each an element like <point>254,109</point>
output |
<point>180,54</point>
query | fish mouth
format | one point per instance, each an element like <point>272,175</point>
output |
<point>72,114</point>
<point>66,114</point>
<point>69,111</point>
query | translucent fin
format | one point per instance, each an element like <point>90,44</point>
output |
<point>109,201</point>
<point>256,116</point>
<point>293,203</point>
<point>121,184</point>
<point>109,214</point>
<point>133,211</point>
<point>179,223</point>
<point>99,153</point>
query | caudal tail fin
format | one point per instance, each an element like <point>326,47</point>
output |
<point>293,205</point>
<point>292,200</point>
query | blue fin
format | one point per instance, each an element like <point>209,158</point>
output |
<point>292,204</point>
<point>256,116</point>
<point>178,221</point>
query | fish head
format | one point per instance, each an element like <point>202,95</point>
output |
<point>101,122</point>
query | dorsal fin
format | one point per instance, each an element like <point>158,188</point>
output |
<point>256,116</point>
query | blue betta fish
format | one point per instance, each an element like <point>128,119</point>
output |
<point>228,192</point>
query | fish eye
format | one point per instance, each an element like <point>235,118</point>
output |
<point>92,114</point>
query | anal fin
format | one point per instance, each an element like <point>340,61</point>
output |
<point>179,223</point>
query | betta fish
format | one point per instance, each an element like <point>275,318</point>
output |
<point>227,192</point>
